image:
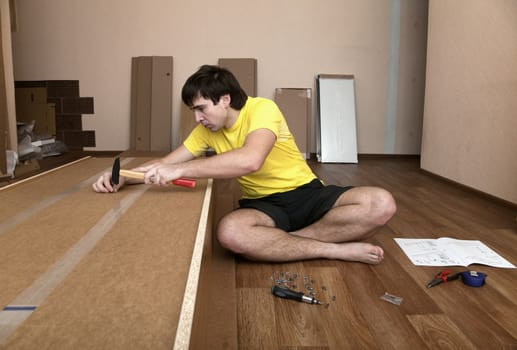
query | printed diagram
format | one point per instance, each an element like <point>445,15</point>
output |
<point>426,252</point>
<point>450,252</point>
<point>435,258</point>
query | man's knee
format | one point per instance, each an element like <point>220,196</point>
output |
<point>228,235</point>
<point>384,206</point>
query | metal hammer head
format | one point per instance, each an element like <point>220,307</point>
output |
<point>115,171</point>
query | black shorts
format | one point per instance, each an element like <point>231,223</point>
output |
<point>293,210</point>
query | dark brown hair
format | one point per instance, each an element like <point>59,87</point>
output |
<point>212,82</point>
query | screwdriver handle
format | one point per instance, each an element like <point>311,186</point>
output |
<point>286,293</point>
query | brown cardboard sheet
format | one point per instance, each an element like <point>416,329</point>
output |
<point>245,70</point>
<point>296,105</point>
<point>126,291</point>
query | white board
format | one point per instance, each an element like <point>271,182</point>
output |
<point>336,136</point>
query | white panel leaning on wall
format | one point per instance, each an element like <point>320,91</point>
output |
<point>336,123</point>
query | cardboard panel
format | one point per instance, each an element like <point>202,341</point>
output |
<point>63,88</point>
<point>133,114</point>
<point>69,122</point>
<point>142,114</point>
<point>55,88</point>
<point>161,104</point>
<point>30,95</point>
<point>245,70</point>
<point>296,106</point>
<point>4,120</point>
<point>42,113</point>
<point>77,139</point>
<point>77,105</point>
<point>151,104</point>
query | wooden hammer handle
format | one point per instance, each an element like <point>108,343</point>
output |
<point>138,175</point>
<point>132,174</point>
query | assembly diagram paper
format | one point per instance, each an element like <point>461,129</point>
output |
<point>450,252</point>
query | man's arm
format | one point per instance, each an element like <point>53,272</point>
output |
<point>104,185</point>
<point>179,155</point>
<point>238,162</point>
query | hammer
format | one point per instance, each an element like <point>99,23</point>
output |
<point>116,172</point>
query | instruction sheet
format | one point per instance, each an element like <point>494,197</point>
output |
<point>450,252</point>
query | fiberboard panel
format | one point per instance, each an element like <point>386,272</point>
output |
<point>337,139</point>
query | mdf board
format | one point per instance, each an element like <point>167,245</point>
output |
<point>151,103</point>
<point>108,271</point>
<point>296,105</point>
<point>245,70</point>
<point>337,135</point>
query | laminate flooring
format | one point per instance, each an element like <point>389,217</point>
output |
<point>353,315</point>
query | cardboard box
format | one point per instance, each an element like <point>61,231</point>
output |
<point>75,140</point>
<point>47,100</point>
<point>30,95</point>
<point>77,105</point>
<point>54,88</point>
<point>245,70</point>
<point>43,114</point>
<point>296,106</point>
<point>69,122</point>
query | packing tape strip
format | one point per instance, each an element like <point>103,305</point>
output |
<point>473,278</point>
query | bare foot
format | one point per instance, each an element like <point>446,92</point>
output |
<point>360,251</point>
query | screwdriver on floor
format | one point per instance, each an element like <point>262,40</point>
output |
<point>286,293</point>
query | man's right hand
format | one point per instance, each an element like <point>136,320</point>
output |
<point>104,185</point>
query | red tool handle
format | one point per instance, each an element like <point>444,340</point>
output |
<point>443,275</point>
<point>190,183</point>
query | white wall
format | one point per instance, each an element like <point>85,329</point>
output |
<point>93,41</point>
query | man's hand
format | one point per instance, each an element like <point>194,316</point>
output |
<point>104,185</point>
<point>160,173</point>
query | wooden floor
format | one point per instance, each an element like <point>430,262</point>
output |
<point>449,316</point>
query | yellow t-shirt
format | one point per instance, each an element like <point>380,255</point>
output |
<point>284,168</point>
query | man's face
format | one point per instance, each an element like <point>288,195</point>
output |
<point>211,116</point>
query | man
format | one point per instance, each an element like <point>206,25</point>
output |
<point>286,212</point>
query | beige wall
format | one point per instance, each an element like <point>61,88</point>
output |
<point>293,40</point>
<point>470,119</point>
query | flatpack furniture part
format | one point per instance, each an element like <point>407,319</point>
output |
<point>151,103</point>
<point>337,135</point>
<point>296,106</point>
<point>107,272</point>
<point>4,124</point>
<point>245,70</point>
